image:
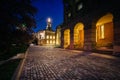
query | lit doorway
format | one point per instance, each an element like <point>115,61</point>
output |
<point>104,31</point>
<point>78,36</point>
<point>66,38</point>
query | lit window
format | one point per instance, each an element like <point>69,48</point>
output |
<point>80,6</point>
<point>69,14</point>
<point>50,37</point>
<point>47,37</point>
<point>101,30</point>
<point>47,41</point>
<point>53,37</point>
<point>53,42</point>
<point>50,41</point>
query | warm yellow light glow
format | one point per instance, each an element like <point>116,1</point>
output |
<point>53,42</point>
<point>104,30</point>
<point>57,38</point>
<point>57,42</point>
<point>41,35</point>
<point>47,41</point>
<point>105,19</point>
<point>79,35</point>
<point>47,37</point>
<point>50,37</point>
<point>101,32</point>
<point>53,37</point>
<point>49,20</point>
<point>66,38</point>
<point>50,41</point>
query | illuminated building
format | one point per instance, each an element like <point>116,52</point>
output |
<point>47,36</point>
<point>58,36</point>
<point>91,25</point>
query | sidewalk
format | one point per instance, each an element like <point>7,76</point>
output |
<point>95,54</point>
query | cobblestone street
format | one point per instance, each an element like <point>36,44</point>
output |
<point>48,63</point>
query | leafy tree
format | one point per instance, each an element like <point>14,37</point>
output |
<point>16,22</point>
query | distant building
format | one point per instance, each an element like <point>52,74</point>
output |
<point>47,36</point>
<point>58,36</point>
<point>91,25</point>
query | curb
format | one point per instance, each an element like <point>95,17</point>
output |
<point>97,54</point>
<point>2,62</point>
<point>18,70</point>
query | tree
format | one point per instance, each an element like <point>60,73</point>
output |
<point>16,21</point>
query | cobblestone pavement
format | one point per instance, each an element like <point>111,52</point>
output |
<point>47,63</point>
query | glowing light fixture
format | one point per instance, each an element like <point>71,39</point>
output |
<point>49,20</point>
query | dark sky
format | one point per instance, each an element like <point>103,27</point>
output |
<point>48,8</point>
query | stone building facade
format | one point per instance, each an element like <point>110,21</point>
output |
<point>58,36</point>
<point>46,37</point>
<point>91,24</point>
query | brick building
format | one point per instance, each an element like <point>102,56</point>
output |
<point>91,25</point>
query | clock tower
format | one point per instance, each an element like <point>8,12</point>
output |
<point>49,24</point>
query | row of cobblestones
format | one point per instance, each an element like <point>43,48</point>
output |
<point>47,63</point>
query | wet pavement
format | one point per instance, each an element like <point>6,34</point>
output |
<point>48,63</point>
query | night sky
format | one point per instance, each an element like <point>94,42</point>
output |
<point>48,8</point>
